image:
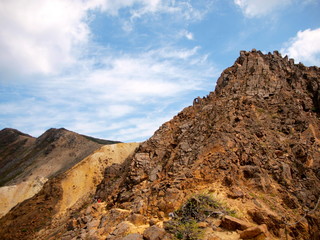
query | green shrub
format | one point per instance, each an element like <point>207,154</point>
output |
<point>199,207</point>
<point>184,224</point>
<point>188,230</point>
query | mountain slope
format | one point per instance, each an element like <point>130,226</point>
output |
<point>13,145</point>
<point>255,142</point>
<point>27,163</point>
<point>62,194</point>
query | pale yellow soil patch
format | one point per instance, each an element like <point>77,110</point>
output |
<point>81,180</point>
<point>12,195</point>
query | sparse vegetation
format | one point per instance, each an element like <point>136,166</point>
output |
<point>184,224</point>
<point>184,230</point>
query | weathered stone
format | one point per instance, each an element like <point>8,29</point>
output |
<point>133,236</point>
<point>153,221</point>
<point>202,224</point>
<point>253,232</point>
<point>137,219</point>
<point>235,193</point>
<point>123,229</point>
<point>93,224</point>
<point>273,222</point>
<point>93,234</point>
<point>154,233</point>
<point>209,234</point>
<point>232,223</point>
<point>72,224</point>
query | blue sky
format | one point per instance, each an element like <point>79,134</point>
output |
<point>118,69</point>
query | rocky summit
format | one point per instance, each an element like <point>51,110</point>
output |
<point>241,163</point>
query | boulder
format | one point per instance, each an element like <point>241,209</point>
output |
<point>232,223</point>
<point>133,236</point>
<point>137,219</point>
<point>253,232</point>
<point>154,233</point>
<point>122,229</point>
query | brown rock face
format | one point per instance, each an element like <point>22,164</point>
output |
<point>258,132</point>
<point>232,223</point>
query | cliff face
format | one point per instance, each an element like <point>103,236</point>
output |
<point>255,140</point>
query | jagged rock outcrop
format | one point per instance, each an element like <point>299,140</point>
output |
<point>256,139</point>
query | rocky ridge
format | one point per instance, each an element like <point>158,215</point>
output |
<point>254,142</point>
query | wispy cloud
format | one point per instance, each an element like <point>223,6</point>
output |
<point>133,91</point>
<point>259,8</point>
<point>304,47</point>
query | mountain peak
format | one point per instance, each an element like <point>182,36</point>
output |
<point>12,131</point>
<point>261,76</point>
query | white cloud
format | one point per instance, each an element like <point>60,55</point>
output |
<point>258,8</point>
<point>46,37</point>
<point>40,36</point>
<point>305,47</point>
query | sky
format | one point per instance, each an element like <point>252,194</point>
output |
<point>119,69</point>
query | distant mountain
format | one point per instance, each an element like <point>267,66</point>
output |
<point>55,150</point>
<point>241,163</point>
<point>14,146</point>
<point>26,163</point>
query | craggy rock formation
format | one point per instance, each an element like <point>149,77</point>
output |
<point>255,139</point>
<point>253,143</point>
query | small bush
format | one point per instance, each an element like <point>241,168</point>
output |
<point>184,230</point>
<point>198,208</point>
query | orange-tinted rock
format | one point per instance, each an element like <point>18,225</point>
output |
<point>232,223</point>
